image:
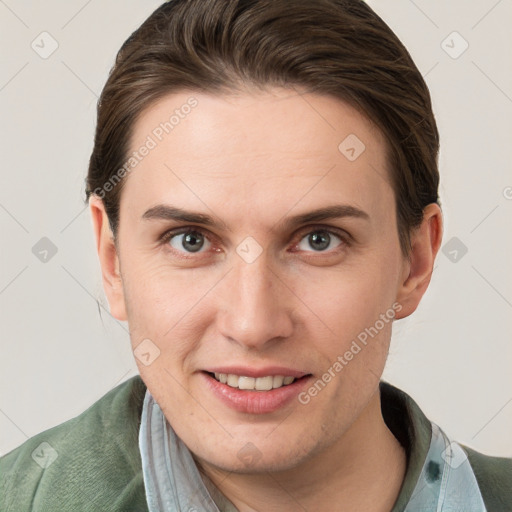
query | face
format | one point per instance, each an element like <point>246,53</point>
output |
<point>258,238</point>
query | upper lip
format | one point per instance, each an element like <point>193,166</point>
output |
<point>247,371</point>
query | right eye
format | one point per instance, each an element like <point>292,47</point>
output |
<point>186,240</point>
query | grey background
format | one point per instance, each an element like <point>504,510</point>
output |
<point>59,355</point>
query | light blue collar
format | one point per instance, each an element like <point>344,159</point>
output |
<point>173,482</point>
<point>447,481</point>
<point>171,478</point>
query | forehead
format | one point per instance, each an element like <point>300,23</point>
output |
<point>248,146</point>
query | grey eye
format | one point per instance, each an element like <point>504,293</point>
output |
<point>318,241</point>
<point>190,241</point>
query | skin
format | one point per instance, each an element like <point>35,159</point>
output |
<point>250,161</point>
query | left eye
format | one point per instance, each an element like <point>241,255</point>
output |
<point>188,241</point>
<point>319,241</point>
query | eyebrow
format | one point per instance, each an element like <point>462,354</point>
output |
<point>168,212</point>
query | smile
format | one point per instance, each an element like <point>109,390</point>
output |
<point>258,394</point>
<point>253,384</point>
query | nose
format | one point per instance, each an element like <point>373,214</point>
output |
<point>255,306</point>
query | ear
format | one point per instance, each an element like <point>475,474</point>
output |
<point>109,260</point>
<point>425,242</point>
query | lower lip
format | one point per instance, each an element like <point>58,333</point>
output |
<point>255,402</point>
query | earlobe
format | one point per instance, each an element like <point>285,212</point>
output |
<point>425,243</point>
<point>109,260</point>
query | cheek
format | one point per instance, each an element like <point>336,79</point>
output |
<point>350,302</point>
<point>156,291</point>
<point>168,307</point>
<point>357,307</point>
<point>348,299</point>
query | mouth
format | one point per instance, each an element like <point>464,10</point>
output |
<point>246,383</point>
<point>260,393</point>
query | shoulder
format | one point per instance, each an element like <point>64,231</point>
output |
<point>83,463</point>
<point>426,445</point>
<point>494,477</point>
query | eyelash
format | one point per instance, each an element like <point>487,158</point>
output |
<point>344,237</point>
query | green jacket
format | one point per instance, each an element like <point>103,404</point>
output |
<point>92,462</point>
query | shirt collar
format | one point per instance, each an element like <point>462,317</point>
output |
<point>438,475</point>
<point>438,472</point>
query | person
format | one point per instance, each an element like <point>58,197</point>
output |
<point>264,194</point>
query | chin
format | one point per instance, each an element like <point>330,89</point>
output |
<point>261,463</point>
<point>261,455</point>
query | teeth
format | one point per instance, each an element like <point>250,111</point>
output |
<point>254,384</point>
<point>232,380</point>
<point>277,381</point>
<point>246,382</point>
<point>263,383</point>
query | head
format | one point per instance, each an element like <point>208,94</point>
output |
<point>263,187</point>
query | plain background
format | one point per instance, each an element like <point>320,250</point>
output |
<point>59,355</point>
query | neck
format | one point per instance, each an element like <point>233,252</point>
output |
<point>363,470</point>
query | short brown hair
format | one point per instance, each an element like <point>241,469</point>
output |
<point>339,48</point>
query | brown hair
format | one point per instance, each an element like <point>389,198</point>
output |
<point>339,48</point>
